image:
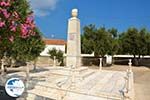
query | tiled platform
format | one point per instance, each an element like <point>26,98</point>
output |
<point>89,84</point>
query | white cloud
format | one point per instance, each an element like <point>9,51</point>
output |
<point>41,13</point>
<point>43,7</point>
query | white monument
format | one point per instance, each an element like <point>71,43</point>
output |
<point>73,41</point>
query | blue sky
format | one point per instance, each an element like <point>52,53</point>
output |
<point>52,16</point>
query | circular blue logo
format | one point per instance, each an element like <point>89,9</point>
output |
<point>14,87</point>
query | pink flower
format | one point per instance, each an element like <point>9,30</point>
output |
<point>24,30</point>
<point>15,14</point>
<point>6,14</point>
<point>3,3</point>
<point>11,38</point>
<point>2,24</point>
<point>30,19</point>
<point>13,26</point>
<point>13,29</point>
<point>31,25</point>
<point>33,33</point>
<point>24,35</point>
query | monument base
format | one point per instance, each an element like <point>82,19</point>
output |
<point>59,82</point>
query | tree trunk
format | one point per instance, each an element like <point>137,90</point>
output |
<point>139,60</point>
<point>62,62</point>
<point>113,60</point>
<point>12,63</point>
<point>5,63</point>
<point>27,79</point>
<point>135,61</point>
<point>3,74</point>
<point>34,65</point>
<point>103,61</point>
<point>27,74</point>
<point>2,66</point>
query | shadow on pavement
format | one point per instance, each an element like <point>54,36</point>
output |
<point>3,94</point>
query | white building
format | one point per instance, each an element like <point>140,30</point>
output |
<point>58,44</point>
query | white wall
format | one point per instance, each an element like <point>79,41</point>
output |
<point>49,47</point>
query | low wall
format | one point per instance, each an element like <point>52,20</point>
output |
<point>125,61</point>
<point>90,61</point>
<point>46,60</point>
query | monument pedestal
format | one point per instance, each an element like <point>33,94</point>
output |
<point>73,41</point>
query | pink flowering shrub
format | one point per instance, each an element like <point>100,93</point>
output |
<point>13,22</point>
<point>20,39</point>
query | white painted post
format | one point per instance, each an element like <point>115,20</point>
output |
<point>100,63</point>
<point>128,93</point>
<point>130,65</point>
<point>127,75</point>
<point>54,64</point>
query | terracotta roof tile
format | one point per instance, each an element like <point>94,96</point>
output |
<point>54,42</point>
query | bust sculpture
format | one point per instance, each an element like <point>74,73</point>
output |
<point>74,12</point>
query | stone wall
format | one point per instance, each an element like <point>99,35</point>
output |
<point>93,61</point>
<point>46,60</point>
<point>125,61</point>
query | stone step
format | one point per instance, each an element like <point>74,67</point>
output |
<point>31,96</point>
<point>51,93</point>
<point>38,93</point>
<point>37,97</point>
<point>73,96</point>
<point>82,70</point>
<point>86,74</point>
<point>46,87</point>
<point>53,79</point>
<point>67,71</point>
<point>67,82</point>
<point>86,90</point>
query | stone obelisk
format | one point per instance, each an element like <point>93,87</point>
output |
<point>73,41</point>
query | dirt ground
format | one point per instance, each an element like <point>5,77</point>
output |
<point>141,80</point>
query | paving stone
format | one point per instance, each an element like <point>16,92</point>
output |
<point>96,85</point>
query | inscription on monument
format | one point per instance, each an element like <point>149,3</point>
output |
<point>72,36</point>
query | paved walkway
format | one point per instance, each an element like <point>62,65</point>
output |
<point>141,81</point>
<point>90,84</point>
